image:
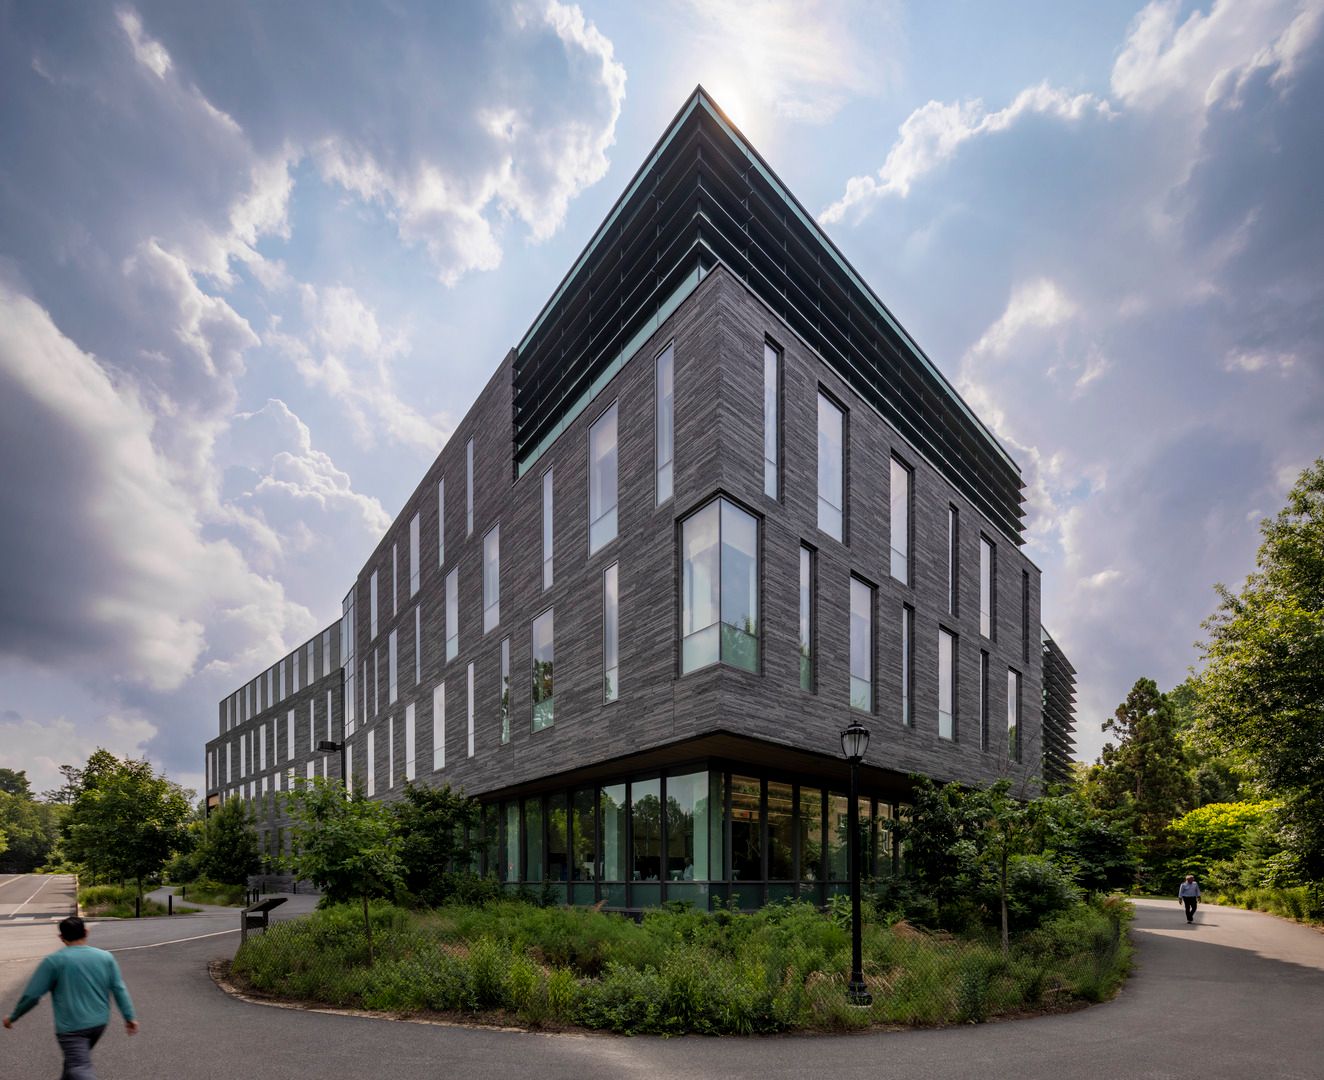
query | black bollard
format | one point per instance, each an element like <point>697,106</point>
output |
<point>170,904</point>
<point>137,907</point>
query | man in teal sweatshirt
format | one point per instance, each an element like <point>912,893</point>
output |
<point>81,980</point>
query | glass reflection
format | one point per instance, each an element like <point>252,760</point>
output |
<point>646,819</point>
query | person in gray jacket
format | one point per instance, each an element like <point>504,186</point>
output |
<point>1188,893</point>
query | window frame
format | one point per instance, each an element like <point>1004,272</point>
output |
<point>614,510</point>
<point>776,355</point>
<point>535,700</point>
<point>492,577</point>
<point>825,397</point>
<point>856,579</point>
<point>898,466</point>
<point>954,686</point>
<point>659,466</point>
<point>611,676</point>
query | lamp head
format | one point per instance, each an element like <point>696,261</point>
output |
<point>854,742</point>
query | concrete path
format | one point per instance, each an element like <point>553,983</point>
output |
<point>1236,995</point>
<point>35,897</point>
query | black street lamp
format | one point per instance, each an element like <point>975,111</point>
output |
<point>854,742</point>
<point>326,746</point>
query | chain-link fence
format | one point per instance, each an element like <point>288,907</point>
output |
<point>783,968</point>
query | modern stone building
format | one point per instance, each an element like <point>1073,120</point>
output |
<point>714,506</point>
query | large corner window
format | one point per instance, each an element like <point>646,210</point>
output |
<point>831,468</point>
<point>720,588</point>
<point>988,596</point>
<point>666,423</point>
<point>543,660</point>
<point>1013,714</point>
<point>901,484</point>
<point>771,419</point>
<point>806,618</point>
<point>413,555</point>
<point>547,533</point>
<point>452,613</point>
<point>861,645</point>
<point>492,578</point>
<point>946,685</point>
<point>611,616</point>
<point>469,488</point>
<point>602,479</point>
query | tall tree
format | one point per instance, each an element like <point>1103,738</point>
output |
<point>438,832</point>
<point>126,821</point>
<point>15,783</point>
<point>1262,689</point>
<point>1146,770</point>
<point>228,851</point>
<point>32,828</point>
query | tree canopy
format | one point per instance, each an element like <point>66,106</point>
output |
<point>228,849</point>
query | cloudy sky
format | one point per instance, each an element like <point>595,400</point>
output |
<point>256,260</point>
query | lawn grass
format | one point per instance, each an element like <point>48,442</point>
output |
<point>210,892</point>
<point>784,968</point>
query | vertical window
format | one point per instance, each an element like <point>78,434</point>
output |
<point>347,631</point>
<point>289,737</point>
<point>280,679</point>
<point>987,589</point>
<point>602,467</point>
<point>469,488</point>
<point>372,617</point>
<point>543,658</point>
<point>505,690</point>
<point>907,664</point>
<point>371,756</point>
<point>901,484</point>
<point>1013,714</point>
<point>326,653</point>
<point>418,644</point>
<point>312,663</point>
<point>983,700</point>
<point>666,416</point>
<point>861,645</point>
<point>392,656</point>
<point>771,419</point>
<point>611,614</point>
<point>395,579</point>
<point>1025,615</point>
<point>720,585</point>
<point>295,687</point>
<point>469,705</point>
<point>439,726</point>
<point>946,685</point>
<point>376,680</point>
<point>365,690</point>
<point>441,522</point>
<point>953,559</point>
<point>414,567</point>
<point>806,619</point>
<point>452,613</point>
<point>492,578</point>
<point>312,726</point>
<point>831,468</point>
<point>547,529</point>
<point>390,752</point>
<point>262,747</point>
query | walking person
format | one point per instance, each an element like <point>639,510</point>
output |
<point>81,981</point>
<point>1188,893</point>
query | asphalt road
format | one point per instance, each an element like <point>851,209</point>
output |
<point>28,897</point>
<point>1237,995</point>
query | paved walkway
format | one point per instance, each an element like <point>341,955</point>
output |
<point>35,897</point>
<point>1237,995</point>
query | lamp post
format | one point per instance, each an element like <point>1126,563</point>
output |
<point>326,746</point>
<point>854,743</point>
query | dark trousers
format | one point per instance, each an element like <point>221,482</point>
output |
<point>1190,902</point>
<point>77,1047</point>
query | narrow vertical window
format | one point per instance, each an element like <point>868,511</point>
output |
<point>280,679</point>
<point>376,680</point>
<point>611,614</point>
<point>418,644</point>
<point>1025,616</point>
<point>439,726</point>
<point>666,418</point>
<point>861,645</point>
<point>410,743</point>
<point>295,687</point>
<point>505,690</point>
<point>413,555</point>
<point>806,619</point>
<point>392,655</point>
<point>831,468</point>
<point>602,479</point>
<point>371,758</point>
<point>312,662</point>
<point>289,737</point>
<point>372,620</point>
<point>395,579</point>
<point>719,588</point>
<point>907,665</point>
<point>492,578</point>
<point>441,522</point>
<point>469,705</point>
<point>469,488</point>
<point>547,534</point>
<point>987,588</point>
<point>452,613</point>
<point>262,747</point>
<point>900,524</point>
<point>1013,714</point>
<point>953,558</point>
<point>326,653</point>
<point>543,658</point>
<point>983,700</point>
<point>771,420</point>
<point>946,685</point>
<point>390,752</point>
